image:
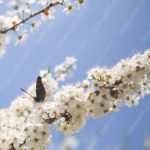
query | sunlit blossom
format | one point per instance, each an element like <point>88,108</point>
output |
<point>26,123</point>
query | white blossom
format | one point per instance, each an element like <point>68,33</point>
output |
<point>69,143</point>
<point>71,99</point>
<point>21,37</point>
<point>26,123</point>
<point>24,11</point>
<point>65,68</point>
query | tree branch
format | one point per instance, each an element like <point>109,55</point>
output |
<point>29,17</point>
<point>98,95</point>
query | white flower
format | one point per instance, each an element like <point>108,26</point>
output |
<point>68,8</point>
<point>43,2</point>
<point>65,68</point>
<point>12,20</point>
<point>69,143</point>
<point>48,14</point>
<point>80,3</point>
<point>25,10</point>
<point>2,22</point>
<point>35,25</point>
<point>21,37</point>
<point>85,84</point>
<point>72,100</point>
<point>30,1</point>
<point>25,124</point>
<point>4,40</point>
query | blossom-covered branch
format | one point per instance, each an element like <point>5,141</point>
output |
<point>25,125</point>
<point>15,25</point>
<point>24,13</point>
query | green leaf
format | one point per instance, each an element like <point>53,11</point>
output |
<point>49,69</point>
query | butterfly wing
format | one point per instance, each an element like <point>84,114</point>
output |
<point>40,90</point>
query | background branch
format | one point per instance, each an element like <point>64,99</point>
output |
<point>31,16</point>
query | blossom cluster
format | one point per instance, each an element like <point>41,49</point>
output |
<point>21,126</point>
<point>126,82</point>
<point>25,125</point>
<point>65,69</point>
<point>25,11</point>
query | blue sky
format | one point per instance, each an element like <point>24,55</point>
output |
<point>101,33</point>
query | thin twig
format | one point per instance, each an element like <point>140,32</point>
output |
<point>29,17</point>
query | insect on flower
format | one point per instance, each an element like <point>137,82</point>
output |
<point>40,91</point>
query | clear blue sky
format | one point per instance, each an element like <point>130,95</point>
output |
<point>101,33</point>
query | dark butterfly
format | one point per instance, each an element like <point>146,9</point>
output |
<point>40,91</point>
